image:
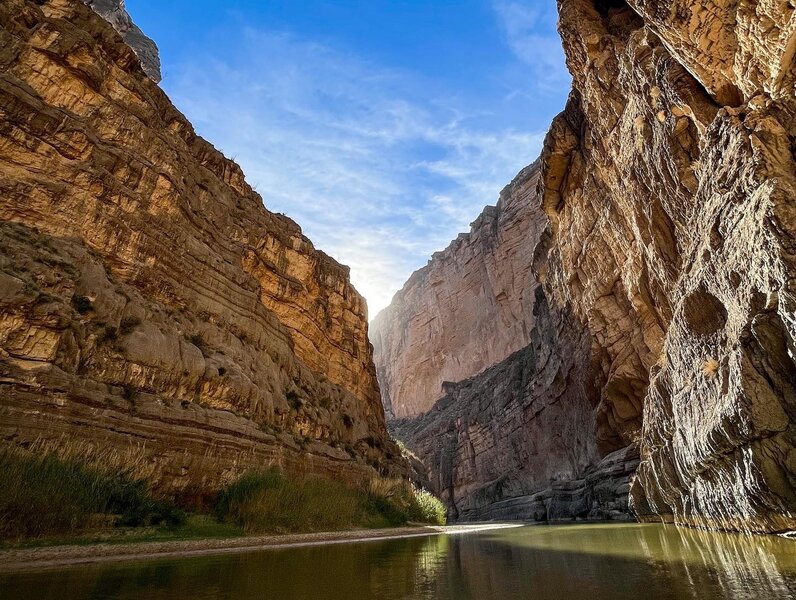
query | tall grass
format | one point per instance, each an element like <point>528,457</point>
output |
<point>269,502</point>
<point>44,494</point>
<point>51,495</point>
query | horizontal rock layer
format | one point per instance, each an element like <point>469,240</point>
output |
<point>148,300</point>
<point>600,494</point>
<point>517,441</point>
<point>469,308</point>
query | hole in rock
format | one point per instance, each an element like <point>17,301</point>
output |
<point>704,314</point>
<point>618,18</point>
<point>605,6</point>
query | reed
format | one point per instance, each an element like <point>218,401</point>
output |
<point>270,502</point>
<point>71,490</point>
<point>47,494</point>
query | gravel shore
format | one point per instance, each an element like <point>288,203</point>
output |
<point>57,556</point>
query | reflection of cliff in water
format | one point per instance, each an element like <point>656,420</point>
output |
<point>745,566</point>
<point>620,561</point>
<point>570,562</point>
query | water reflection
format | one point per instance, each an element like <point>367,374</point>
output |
<point>569,562</point>
<point>628,561</point>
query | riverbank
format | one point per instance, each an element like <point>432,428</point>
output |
<point>43,557</point>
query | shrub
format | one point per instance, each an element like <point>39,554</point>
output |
<point>197,340</point>
<point>109,334</point>
<point>401,502</point>
<point>293,399</point>
<point>47,495</point>
<point>271,502</point>
<point>427,508</point>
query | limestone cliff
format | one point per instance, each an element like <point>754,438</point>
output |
<point>149,303</point>
<point>684,185</point>
<point>470,307</point>
<point>517,441</point>
<point>668,184</point>
<point>145,49</point>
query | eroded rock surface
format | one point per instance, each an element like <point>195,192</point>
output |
<point>469,308</point>
<point>145,49</point>
<point>668,265</point>
<point>683,186</point>
<point>517,441</point>
<point>149,303</point>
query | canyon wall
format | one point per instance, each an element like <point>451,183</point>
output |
<point>684,185</point>
<point>470,307</point>
<point>145,49</point>
<point>151,309</point>
<point>668,187</point>
<point>517,440</point>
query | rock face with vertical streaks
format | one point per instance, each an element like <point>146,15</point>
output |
<point>668,254</point>
<point>149,303</point>
<point>470,307</point>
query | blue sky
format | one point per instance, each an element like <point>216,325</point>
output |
<point>382,128</point>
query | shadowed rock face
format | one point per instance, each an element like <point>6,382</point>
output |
<point>685,186</point>
<point>517,441</point>
<point>668,184</point>
<point>470,307</point>
<point>145,49</point>
<point>149,303</point>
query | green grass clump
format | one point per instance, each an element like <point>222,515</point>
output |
<point>46,495</point>
<point>404,503</point>
<point>427,508</point>
<point>270,502</point>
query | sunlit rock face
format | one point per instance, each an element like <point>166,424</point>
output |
<point>667,265</point>
<point>669,182</point>
<point>149,303</point>
<point>469,308</point>
<point>145,49</point>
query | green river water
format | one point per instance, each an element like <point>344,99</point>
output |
<point>567,562</point>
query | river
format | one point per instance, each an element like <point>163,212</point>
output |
<point>562,562</point>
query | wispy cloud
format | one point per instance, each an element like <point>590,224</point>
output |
<point>379,166</point>
<point>529,29</point>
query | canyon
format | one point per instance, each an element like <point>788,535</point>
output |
<point>647,368</point>
<point>470,307</point>
<point>152,311</point>
<point>614,339</point>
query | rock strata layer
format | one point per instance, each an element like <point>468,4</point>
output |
<point>150,306</point>
<point>517,441</point>
<point>667,264</point>
<point>682,183</point>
